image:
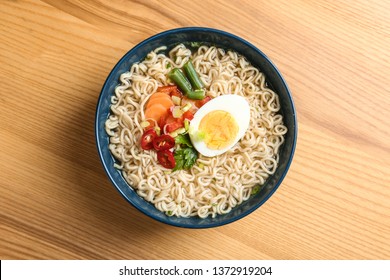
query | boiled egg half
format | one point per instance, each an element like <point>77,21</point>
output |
<point>219,124</point>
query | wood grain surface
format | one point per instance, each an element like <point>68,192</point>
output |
<point>55,199</point>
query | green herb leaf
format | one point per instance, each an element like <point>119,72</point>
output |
<point>183,139</point>
<point>179,161</point>
<point>195,44</point>
<point>185,158</point>
<point>256,189</point>
<point>190,156</point>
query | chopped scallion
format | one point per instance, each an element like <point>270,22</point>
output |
<point>178,77</point>
<point>196,94</point>
<point>190,72</point>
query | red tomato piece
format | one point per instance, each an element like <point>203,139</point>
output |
<point>166,159</point>
<point>173,126</point>
<point>188,115</point>
<point>162,122</point>
<point>167,89</point>
<point>147,139</point>
<point>177,93</point>
<point>200,103</point>
<point>172,90</point>
<point>163,142</point>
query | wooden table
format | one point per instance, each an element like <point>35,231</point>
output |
<point>55,199</point>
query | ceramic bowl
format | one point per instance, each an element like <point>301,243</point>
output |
<point>224,40</point>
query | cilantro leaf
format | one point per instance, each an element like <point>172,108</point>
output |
<point>190,156</point>
<point>183,139</point>
<point>185,158</point>
<point>179,159</point>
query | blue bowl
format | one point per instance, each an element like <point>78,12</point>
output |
<point>224,40</point>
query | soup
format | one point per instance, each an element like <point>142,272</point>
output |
<point>195,131</point>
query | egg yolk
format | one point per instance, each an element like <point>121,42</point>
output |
<point>220,129</point>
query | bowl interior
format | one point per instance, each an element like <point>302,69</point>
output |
<point>210,37</point>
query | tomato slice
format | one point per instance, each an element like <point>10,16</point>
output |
<point>163,142</point>
<point>172,90</point>
<point>188,115</point>
<point>166,159</point>
<point>200,103</point>
<point>168,89</point>
<point>162,122</point>
<point>177,93</point>
<point>170,123</point>
<point>173,126</point>
<point>147,139</point>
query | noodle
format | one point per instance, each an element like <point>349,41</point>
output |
<point>214,185</point>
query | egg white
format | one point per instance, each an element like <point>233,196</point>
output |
<point>236,105</point>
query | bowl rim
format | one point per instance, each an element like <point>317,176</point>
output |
<point>290,99</point>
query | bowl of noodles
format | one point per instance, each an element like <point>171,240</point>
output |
<point>195,127</point>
